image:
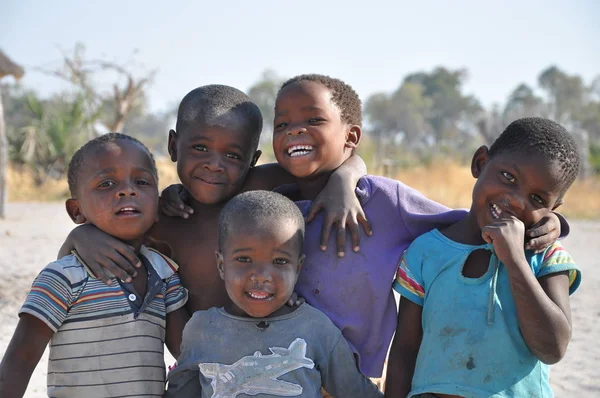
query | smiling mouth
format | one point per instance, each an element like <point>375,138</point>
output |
<point>496,211</point>
<point>128,211</point>
<point>210,182</point>
<point>260,295</point>
<point>299,150</point>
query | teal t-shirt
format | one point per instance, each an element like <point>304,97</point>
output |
<point>472,345</point>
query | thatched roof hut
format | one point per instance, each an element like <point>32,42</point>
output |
<point>8,67</point>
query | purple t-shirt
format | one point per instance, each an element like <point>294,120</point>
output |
<point>355,291</point>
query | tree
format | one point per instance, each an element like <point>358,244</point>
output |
<point>125,95</point>
<point>7,68</point>
<point>263,93</point>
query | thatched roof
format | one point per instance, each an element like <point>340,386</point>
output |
<point>8,67</point>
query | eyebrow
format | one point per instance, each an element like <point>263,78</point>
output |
<point>243,249</point>
<point>110,170</point>
<point>306,108</point>
<point>201,137</point>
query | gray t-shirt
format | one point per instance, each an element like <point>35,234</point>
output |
<point>292,355</point>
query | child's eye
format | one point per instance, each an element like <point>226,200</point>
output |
<point>200,148</point>
<point>106,184</point>
<point>233,156</point>
<point>280,126</point>
<point>280,261</point>
<point>316,120</point>
<point>243,259</point>
<point>142,182</point>
<point>508,176</point>
<point>538,199</point>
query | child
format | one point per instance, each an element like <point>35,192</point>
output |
<point>256,345</point>
<point>480,317</point>
<point>104,340</point>
<point>317,127</point>
<point>215,147</point>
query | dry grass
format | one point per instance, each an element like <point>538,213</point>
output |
<point>447,183</point>
<point>452,184</point>
<point>21,187</point>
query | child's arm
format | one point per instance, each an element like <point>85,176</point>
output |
<point>340,375</point>
<point>337,199</point>
<point>176,321</point>
<point>22,355</point>
<point>404,349</point>
<point>543,308</point>
<point>177,315</point>
<point>101,252</point>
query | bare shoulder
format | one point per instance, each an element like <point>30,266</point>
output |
<point>267,177</point>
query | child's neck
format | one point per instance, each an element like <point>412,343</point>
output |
<point>311,187</point>
<point>465,231</point>
<point>203,208</point>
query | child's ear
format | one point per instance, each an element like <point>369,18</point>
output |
<point>255,157</point>
<point>353,137</point>
<point>300,263</point>
<point>74,211</point>
<point>220,266</point>
<point>480,158</point>
<point>172,145</point>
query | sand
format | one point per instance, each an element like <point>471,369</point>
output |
<point>32,233</point>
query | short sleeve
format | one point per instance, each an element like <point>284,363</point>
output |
<point>557,259</point>
<point>176,295</point>
<point>51,296</point>
<point>420,214</point>
<point>409,278</point>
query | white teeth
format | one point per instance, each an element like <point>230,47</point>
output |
<point>259,296</point>
<point>127,209</point>
<point>496,211</point>
<point>299,150</point>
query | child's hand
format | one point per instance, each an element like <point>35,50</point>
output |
<point>544,233</point>
<point>173,201</point>
<point>343,209</point>
<point>101,252</point>
<point>295,301</point>
<point>507,235</point>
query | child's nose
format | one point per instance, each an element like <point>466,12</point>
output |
<point>296,130</point>
<point>261,274</point>
<point>127,190</point>
<point>517,201</point>
<point>213,163</point>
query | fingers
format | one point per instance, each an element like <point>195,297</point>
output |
<point>315,208</point>
<point>539,230</point>
<point>540,244</point>
<point>341,237</point>
<point>172,209</point>
<point>325,232</point>
<point>362,219</point>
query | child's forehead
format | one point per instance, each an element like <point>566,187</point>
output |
<point>118,150</point>
<point>306,88</point>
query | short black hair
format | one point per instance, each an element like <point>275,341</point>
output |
<point>206,104</point>
<point>260,209</point>
<point>536,135</point>
<point>342,94</point>
<point>79,157</point>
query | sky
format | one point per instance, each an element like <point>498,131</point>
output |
<point>369,44</point>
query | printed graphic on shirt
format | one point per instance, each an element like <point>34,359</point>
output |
<point>257,374</point>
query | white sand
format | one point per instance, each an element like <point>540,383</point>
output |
<point>33,232</point>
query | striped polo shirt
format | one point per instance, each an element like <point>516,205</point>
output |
<point>103,346</point>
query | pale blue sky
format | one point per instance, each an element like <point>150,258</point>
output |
<point>370,44</point>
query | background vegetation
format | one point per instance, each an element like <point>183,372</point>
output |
<point>423,132</point>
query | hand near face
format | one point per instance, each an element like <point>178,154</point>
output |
<point>507,235</point>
